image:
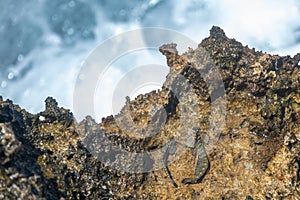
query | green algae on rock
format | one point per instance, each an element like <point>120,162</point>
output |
<point>49,155</point>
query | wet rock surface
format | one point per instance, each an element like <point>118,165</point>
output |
<point>255,155</point>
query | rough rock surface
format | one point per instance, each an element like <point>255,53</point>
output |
<point>256,155</point>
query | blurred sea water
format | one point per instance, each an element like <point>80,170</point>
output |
<point>44,42</point>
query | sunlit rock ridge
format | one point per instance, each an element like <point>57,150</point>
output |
<point>256,156</point>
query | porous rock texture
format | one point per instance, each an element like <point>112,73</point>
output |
<point>256,154</point>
